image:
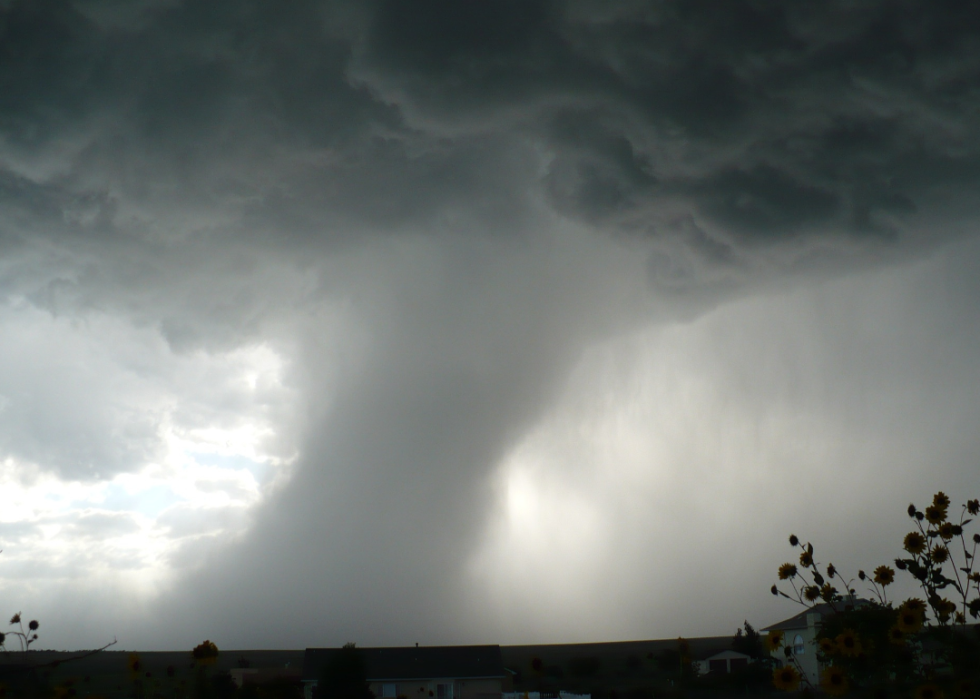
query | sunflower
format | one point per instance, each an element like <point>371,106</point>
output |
<point>828,592</point>
<point>935,515</point>
<point>973,507</point>
<point>827,646</point>
<point>915,604</point>
<point>831,570</point>
<point>946,531</point>
<point>787,571</point>
<point>833,681</point>
<point>848,643</point>
<point>896,636</point>
<point>940,554</point>
<point>133,664</point>
<point>928,691</point>
<point>788,679</point>
<point>944,608</point>
<point>774,641</point>
<point>811,593</point>
<point>884,575</point>
<point>806,559</point>
<point>940,500</point>
<point>915,543</point>
<point>909,620</point>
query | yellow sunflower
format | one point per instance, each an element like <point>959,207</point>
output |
<point>848,643</point>
<point>940,554</point>
<point>915,543</point>
<point>940,500</point>
<point>774,641</point>
<point>915,604</point>
<point>884,575</point>
<point>896,636</point>
<point>935,514</point>
<point>909,620</point>
<point>806,559</point>
<point>787,571</point>
<point>811,593</point>
<point>946,531</point>
<point>827,646</point>
<point>833,681</point>
<point>965,689</point>
<point>928,691</point>
<point>944,608</point>
<point>788,679</point>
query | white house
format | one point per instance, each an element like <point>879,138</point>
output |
<point>725,662</point>
<point>800,634</point>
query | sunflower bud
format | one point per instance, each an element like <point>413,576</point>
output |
<point>774,590</point>
<point>861,575</point>
<point>793,540</point>
<point>911,510</point>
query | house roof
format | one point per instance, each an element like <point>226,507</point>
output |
<point>799,621</point>
<point>416,663</point>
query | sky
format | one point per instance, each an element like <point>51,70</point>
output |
<point>461,322</point>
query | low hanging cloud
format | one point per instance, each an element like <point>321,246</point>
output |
<point>342,311</point>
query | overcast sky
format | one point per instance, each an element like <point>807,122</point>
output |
<point>450,321</point>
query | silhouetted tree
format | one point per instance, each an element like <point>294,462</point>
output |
<point>344,675</point>
<point>749,642</point>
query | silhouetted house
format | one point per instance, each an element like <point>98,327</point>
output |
<point>429,672</point>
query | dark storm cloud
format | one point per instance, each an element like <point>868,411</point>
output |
<point>767,119</point>
<point>378,190</point>
<point>770,120</point>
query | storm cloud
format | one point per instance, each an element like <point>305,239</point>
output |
<point>474,322</point>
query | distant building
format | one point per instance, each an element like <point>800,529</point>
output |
<point>429,672</point>
<point>725,662</point>
<point>800,634</point>
<point>263,675</point>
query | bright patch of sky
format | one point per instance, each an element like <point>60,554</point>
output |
<point>113,438</point>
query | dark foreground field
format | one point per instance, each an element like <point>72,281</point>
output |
<point>619,670</point>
